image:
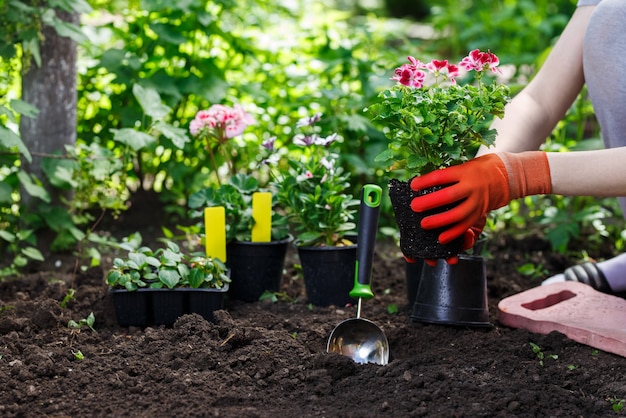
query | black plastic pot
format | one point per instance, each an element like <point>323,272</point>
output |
<point>415,242</point>
<point>328,274</point>
<point>413,272</point>
<point>132,308</point>
<point>168,305</point>
<point>453,294</point>
<point>255,267</point>
<point>205,302</point>
<point>145,307</point>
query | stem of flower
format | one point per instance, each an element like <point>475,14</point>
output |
<point>212,156</point>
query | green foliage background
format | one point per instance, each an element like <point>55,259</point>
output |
<point>282,60</point>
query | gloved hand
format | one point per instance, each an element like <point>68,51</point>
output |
<point>479,186</point>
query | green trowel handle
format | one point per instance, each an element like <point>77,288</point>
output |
<point>371,196</point>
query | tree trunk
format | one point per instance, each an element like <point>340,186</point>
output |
<point>52,89</point>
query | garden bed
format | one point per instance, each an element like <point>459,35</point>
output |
<point>266,358</point>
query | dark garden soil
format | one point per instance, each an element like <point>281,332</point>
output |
<point>267,359</point>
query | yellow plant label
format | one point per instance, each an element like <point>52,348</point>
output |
<point>262,214</point>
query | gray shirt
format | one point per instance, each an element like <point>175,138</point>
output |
<point>604,65</point>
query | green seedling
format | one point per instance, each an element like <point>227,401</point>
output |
<point>78,355</point>
<point>532,271</point>
<point>275,296</point>
<point>67,298</point>
<point>541,355</point>
<point>572,367</point>
<point>617,404</point>
<point>392,308</point>
<point>89,321</point>
<point>5,308</point>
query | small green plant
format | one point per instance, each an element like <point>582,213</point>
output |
<point>541,355</point>
<point>617,404</point>
<point>5,308</point>
<point>532,271</point>
<point>78,355</point>
<point>572,367</point>
<point>236,198</point>
<point>166,267</point>
<point>275,296</point>
<point>313,189</point>
<point>392,308</point>
<point>67,298</point>
<point>88,322</point>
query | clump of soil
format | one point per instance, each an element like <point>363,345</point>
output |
<point>262,359</point>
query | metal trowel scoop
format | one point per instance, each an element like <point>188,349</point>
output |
<point>359,338</point>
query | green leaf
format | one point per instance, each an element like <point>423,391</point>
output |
<point>244,183</point>
<point>32,253</point>
<point>7,236</point>
<point>196,278</point>
<point>32,188</point>
<point>32,46</point>
<point>6,192</point>
<point>9,139</point>
<point>69,30</point>
<point>177,135</point>
<point>168,33</point>
<point>24,108</point>
<point>60,172</point>
<point>169,277</point>
<point>133,138</point>
<point>150,101</point>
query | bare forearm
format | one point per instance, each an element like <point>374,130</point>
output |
<point>597,173</point>
<point>524,127</point>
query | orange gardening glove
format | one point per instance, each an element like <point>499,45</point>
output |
<point>479,186</point>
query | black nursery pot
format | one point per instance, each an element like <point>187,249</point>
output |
<point>167,305</point>
<point>453,294</point>
<point>328,274</point>
<point>132,308</point>
<point>255,267</point>
<point>413,272</point>
<point>145,307</point>
<point>416,242</point>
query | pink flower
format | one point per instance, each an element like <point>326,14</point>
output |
<point>410,75</point>
<point>443,67</point>
<point>224,121</point>
<point>304,176</point>
<point>480,61</point>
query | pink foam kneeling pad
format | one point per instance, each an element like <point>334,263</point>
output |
<point>574,309</point>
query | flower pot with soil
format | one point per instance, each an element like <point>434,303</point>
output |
<point>256,236</point>
<point>313,190</point>
<point>431,122</point>
<point>156,287</point>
